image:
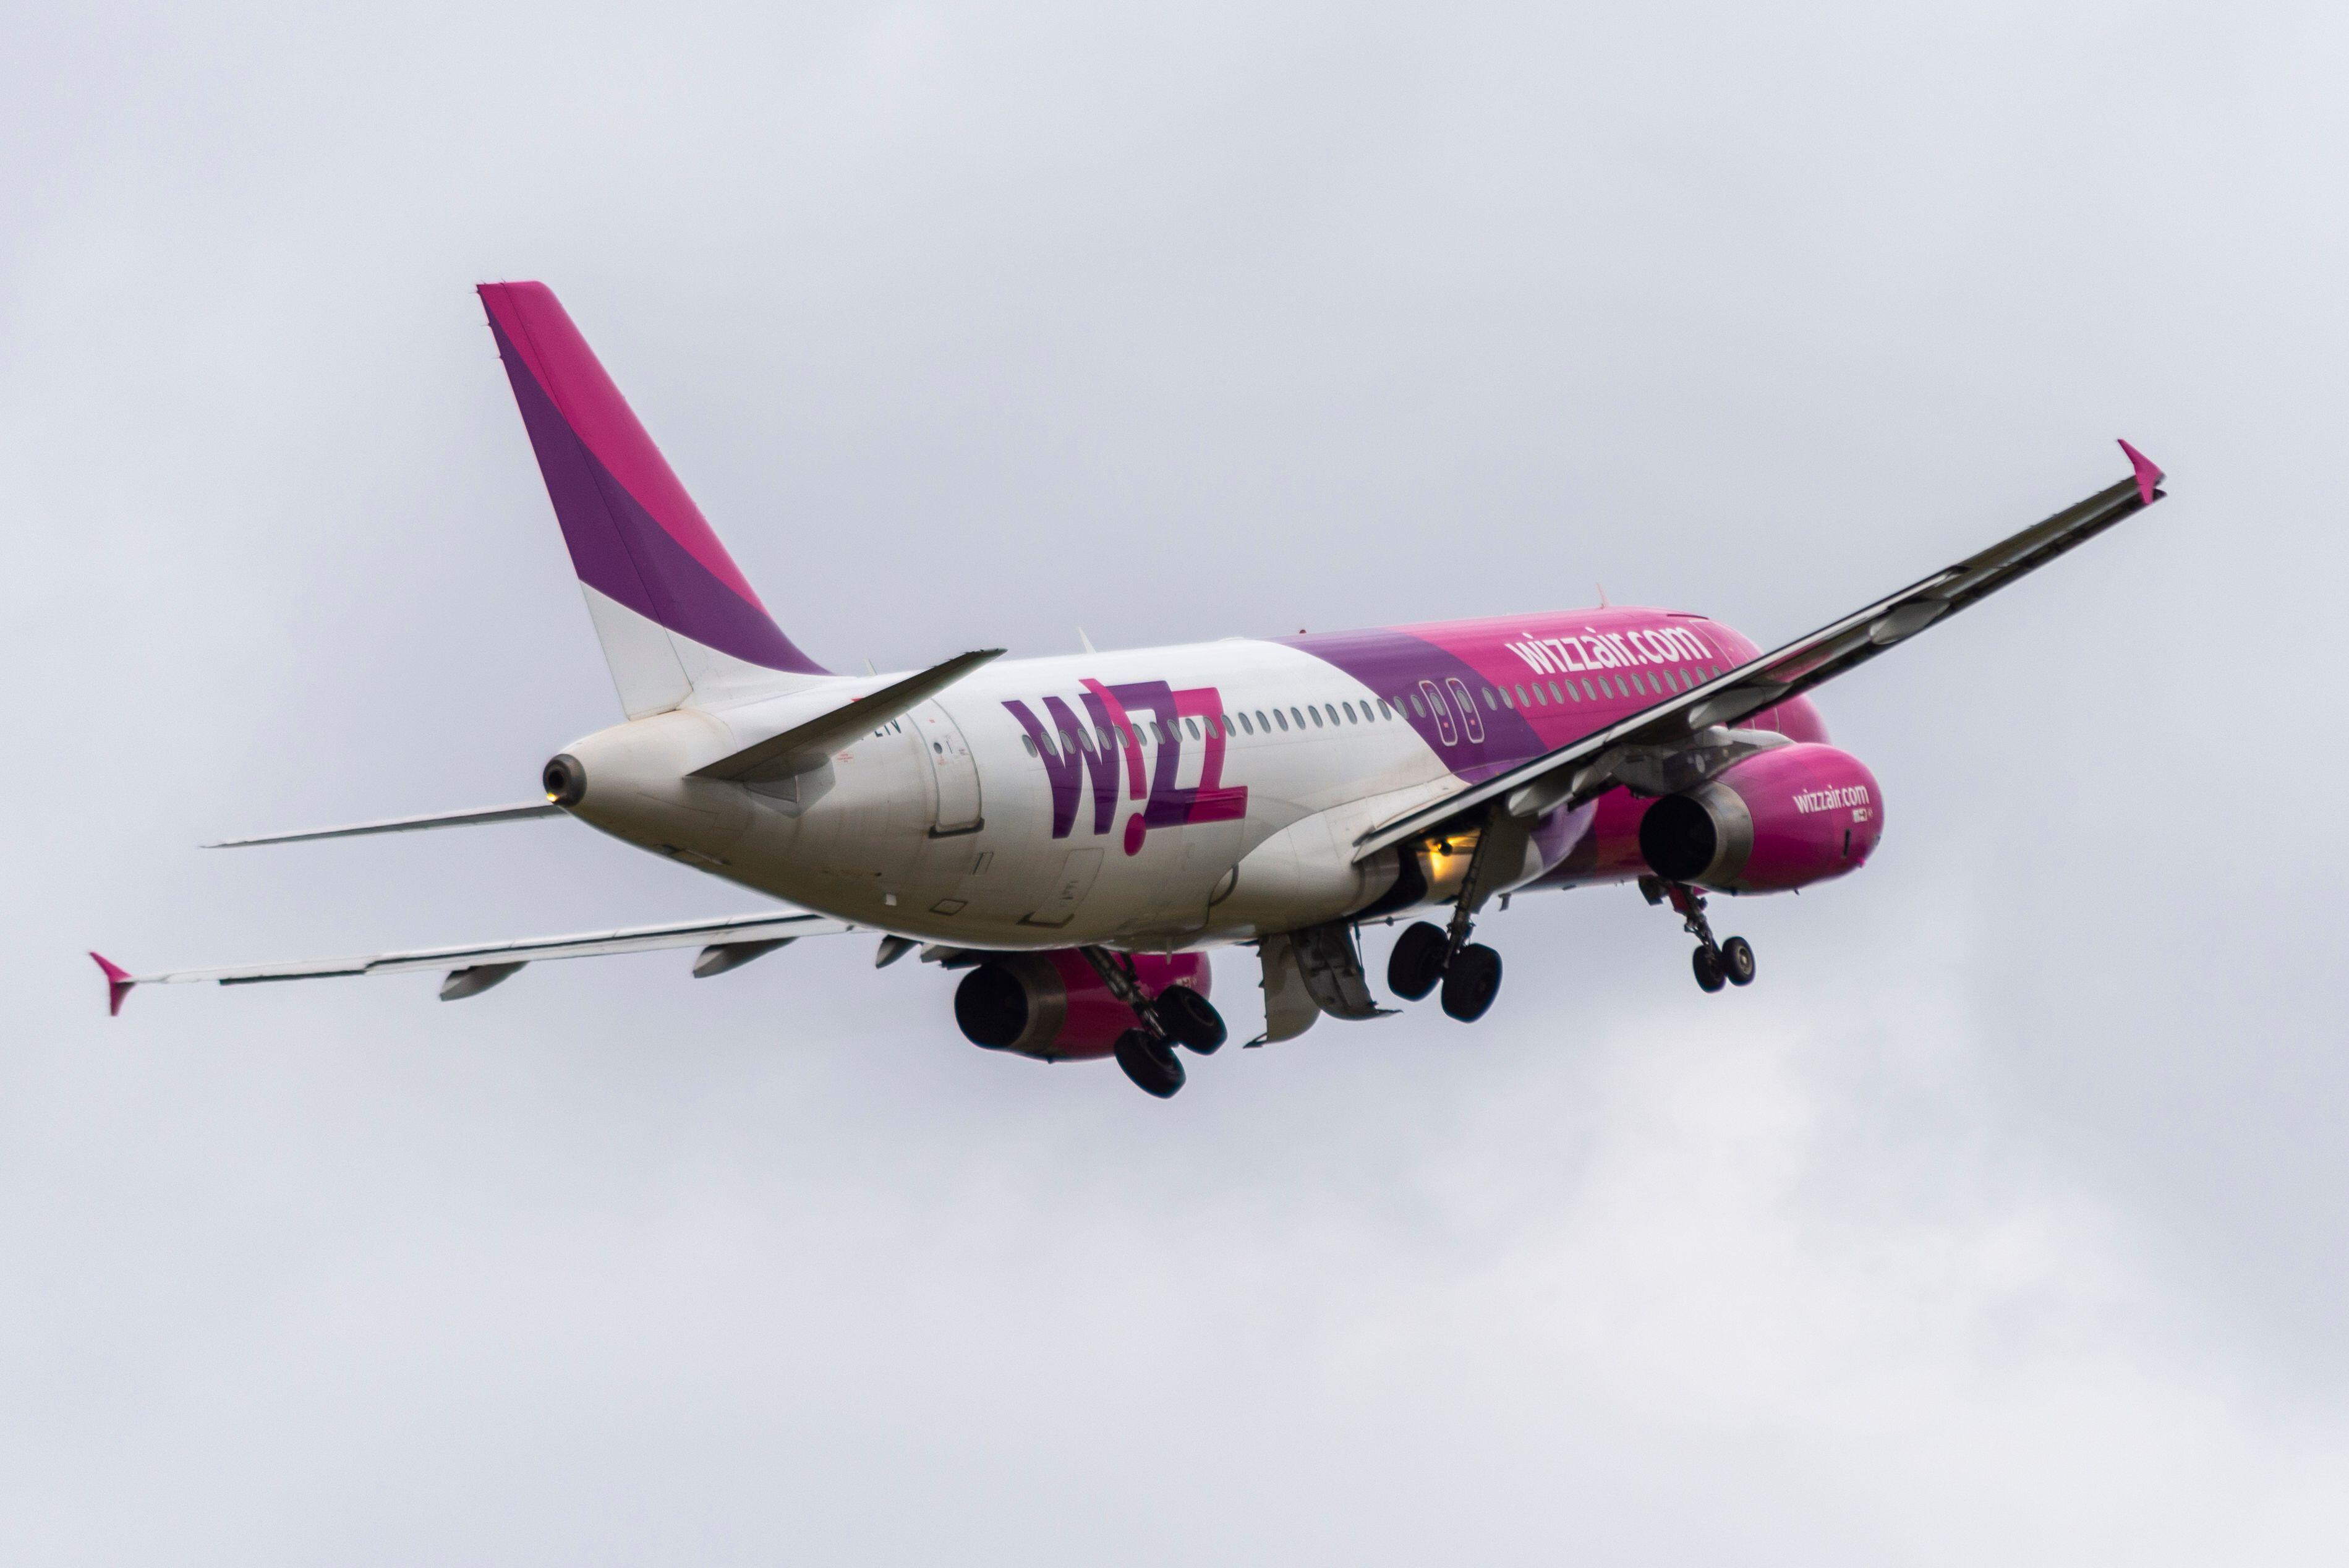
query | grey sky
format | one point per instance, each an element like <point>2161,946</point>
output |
<point>2003,1218</point>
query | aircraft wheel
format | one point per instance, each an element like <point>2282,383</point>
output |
<point>1192,1019</point>
<point>1472,982</point>
<point>1150,1062</point>
<point>1417,961</point>
<point>1737,961</point>
<point>1708,969</point>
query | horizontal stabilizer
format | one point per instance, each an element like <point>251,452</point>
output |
<point>404,824</point>
<point>804,745</point>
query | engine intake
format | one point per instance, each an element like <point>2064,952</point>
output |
<point>1783,818</point>
<point>1054,1006</point>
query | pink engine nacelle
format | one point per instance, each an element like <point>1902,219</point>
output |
<point>1054,1006</point>
<point>1778,819</point>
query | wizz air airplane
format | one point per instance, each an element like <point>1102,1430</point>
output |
<point>1073,833</point>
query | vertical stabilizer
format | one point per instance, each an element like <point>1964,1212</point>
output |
<point>675,615</point>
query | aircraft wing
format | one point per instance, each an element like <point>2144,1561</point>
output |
<point>728,944</point>
<point>1583,769</point>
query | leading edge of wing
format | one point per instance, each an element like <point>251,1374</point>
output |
<point>1570,773</point>
<point>770,926</point>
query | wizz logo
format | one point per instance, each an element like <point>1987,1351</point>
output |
<point>1088,749</point>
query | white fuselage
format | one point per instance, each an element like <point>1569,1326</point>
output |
<point>941,824</point>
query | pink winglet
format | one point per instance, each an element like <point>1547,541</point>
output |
<point>118,984</point>
<point>2148,476</point>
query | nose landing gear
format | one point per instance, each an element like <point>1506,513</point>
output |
<point>1717,963</point>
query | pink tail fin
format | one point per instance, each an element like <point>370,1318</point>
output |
<point>635,538</point>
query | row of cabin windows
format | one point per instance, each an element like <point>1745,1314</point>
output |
<point>1594,688</point>
<point>1534,694</point>
<point>1238,722</point>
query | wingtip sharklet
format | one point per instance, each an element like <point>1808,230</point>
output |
<point>117,983</point>
<point>2148,473</point>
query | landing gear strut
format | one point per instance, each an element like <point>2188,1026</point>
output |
<point>1177,1016</point>
<point>1717,963</point>
<point>1427,954</point>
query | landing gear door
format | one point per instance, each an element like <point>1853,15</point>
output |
<point>953,769</point>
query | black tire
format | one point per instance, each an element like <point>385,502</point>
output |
<point>1150,1062</point>
<point>1417,961</point>
<point>1708,969</point>
<point>1472,982</point>
<point>1737,961</point>
<point>1191,1019</point>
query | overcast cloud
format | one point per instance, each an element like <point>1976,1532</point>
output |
<point>2003,1220</point>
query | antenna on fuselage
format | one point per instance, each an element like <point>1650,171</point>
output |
<point>1087,642</point>
<point>1602,596</point>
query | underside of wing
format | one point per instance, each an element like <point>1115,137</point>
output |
<point>727,944</point>
<point>1587,767</point>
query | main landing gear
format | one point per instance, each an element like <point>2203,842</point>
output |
<point>1729,962</point>
<point>1428,955</point>
<point>1178,1015</point>
<point>1423,960</point>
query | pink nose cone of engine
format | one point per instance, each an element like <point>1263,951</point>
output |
<point>1817,812</point>
<point>1782,818</point>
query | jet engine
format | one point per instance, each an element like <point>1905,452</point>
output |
<point>1054,1006</point>
<point>1781,819</point>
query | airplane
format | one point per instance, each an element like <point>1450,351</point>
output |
<point>1076,832</point>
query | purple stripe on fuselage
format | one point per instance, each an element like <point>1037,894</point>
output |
<point>1392,664</point>
<point>619,550</point>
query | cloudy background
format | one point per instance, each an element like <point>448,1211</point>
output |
<point>2005,1218</point>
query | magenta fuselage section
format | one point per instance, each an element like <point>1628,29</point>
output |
<point>1486,695</point>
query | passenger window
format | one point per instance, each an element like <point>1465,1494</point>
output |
<point>1489,702</point>
<point>1282,717</point>
<point>1297,717</point>
<point>1263,724</point>
<point>1246,727</point>
<point>1193,725</point>
<point>1416,708</point>
<point>1030,742</point>
<point>1331,709</point>
<point>1349,711</point>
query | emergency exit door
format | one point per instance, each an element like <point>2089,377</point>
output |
<point>954,770</point>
